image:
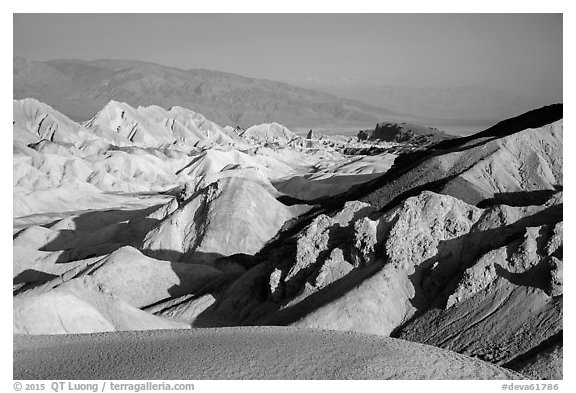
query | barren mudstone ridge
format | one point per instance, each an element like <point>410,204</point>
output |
<point>402,252</point>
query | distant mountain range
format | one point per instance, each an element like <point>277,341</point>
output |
<point>80,88</point>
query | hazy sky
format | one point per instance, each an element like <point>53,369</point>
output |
<point>521,53</point>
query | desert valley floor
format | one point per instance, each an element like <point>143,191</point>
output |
<point>402,252</point>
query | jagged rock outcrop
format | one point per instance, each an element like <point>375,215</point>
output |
<point>404,132</point>
<point>313,135</point>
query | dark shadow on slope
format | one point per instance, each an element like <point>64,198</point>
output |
<point>332,292</point>
<point>180,257</point>
<point>289,200</point>
<point>236,262</point>
<point>521,198</point>
<point>536,277</point>
<point>206,287</point>
<point>539,275</point>
<point>80,253</point>
<point>164,255</point>
<point>402,164</point>
<point>533,119</point>
<point>192,162</point>
<point>99,233</point>
<point>188,284</point>
<point>32,278</point>
<point>96,219</point>
<point>261,309</point>
<point>182,294</point>
<point>521,360</point>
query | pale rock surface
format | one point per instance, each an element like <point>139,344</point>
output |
<point>241,353</point>
<point>81,306</point>
<point>201,230</point>
<point>153,126</point>
<point>34,121</point>
<point>269,133</point>
<point>142,281</point>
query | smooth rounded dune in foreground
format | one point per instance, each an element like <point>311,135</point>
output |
<point>240,353</point>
